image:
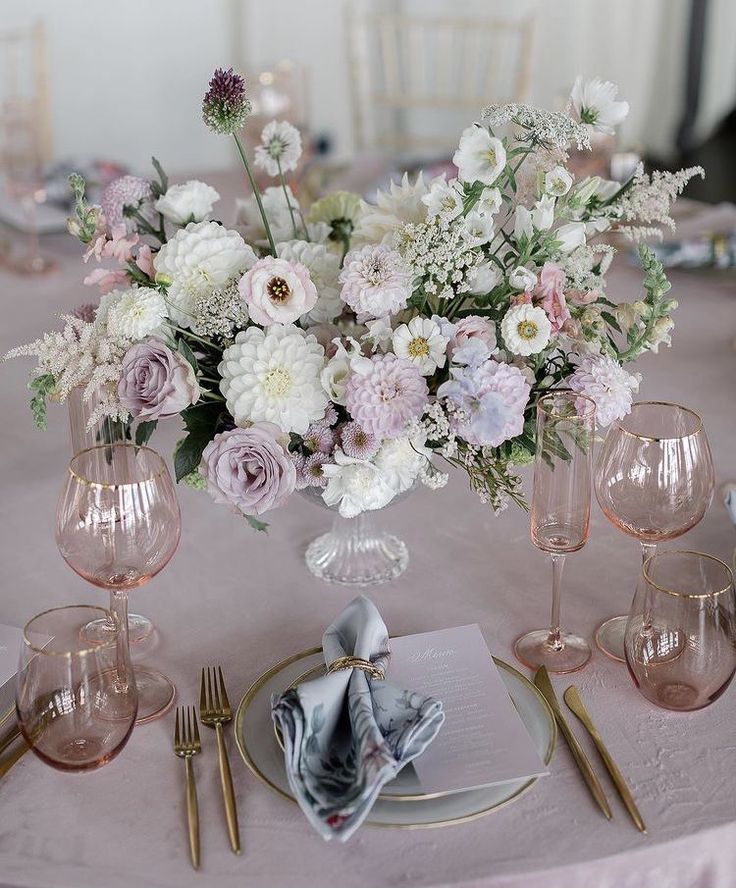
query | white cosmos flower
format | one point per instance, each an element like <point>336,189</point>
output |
<point>400,461</point>
<point>191,202</point>
<point>334,377</point>
<point>197,260</point>
<point>324,267</point>
<point>280,148</point>
<point>273,376</point>
<point>523,223</point>
<point>570,236</point>
<point>443,199</point>
<point>595,103</point>
<point>480,157</point>
<point>355,485</point>
<point>525,329</point>
<point>478,228</point>
<point>490,201</point>
<point>557,181</point>
<point>483,278</point>
<point>421,342</point>
<point>543,214</point>
<point>521,278</point>
<point>136,314</point>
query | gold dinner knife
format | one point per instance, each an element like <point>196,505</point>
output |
<point>574,701</point>
<point>542,681</point>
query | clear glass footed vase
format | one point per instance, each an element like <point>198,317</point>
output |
<point>356,552</point>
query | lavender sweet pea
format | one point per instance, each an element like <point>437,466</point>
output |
<point>156,382</point>
<point>249,468</point>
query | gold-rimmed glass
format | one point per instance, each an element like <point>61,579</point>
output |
<point>560,517</point>
<point>118,525</point>
<point>76,702</point>
<point>654,481</point>
<point>680,640</point>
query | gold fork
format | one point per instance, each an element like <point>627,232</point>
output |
<point>215,711</point>
<point>186,745</point>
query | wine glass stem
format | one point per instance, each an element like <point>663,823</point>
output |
<point>554,640</point>
<point>647,550</point>
<point>119,606</point>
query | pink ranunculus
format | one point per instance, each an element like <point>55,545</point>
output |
<point>249,468</point>
<point>549,289</point>
<point>106,279</point>
<point>472,327</point>
<point>121,245</point>
<point>156,382</point>
<point>277,291</point>
<point>144,261</point>
<point>583,297</point>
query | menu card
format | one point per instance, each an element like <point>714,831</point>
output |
<point>10,639</point>
<point>483,740</point>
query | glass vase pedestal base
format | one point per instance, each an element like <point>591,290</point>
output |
<point>354,553</point>
<point>609,637</point>
<point>535,649</point>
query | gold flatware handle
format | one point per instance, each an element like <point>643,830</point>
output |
<point>192,813</point>
<point>228,793</point>
<point>542,681</point>
<point>574,701</point>
<point>16,754</point>
<point>9,738</point>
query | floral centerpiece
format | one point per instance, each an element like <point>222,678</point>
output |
<point>355,349</point>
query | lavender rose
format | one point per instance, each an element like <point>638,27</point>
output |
<point>249,468</point>
<point>156,382</point>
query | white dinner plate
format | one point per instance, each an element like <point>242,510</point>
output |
<point>261,753</point>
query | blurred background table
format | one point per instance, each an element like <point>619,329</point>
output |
<point>245,601</point>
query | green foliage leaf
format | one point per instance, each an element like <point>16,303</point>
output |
<point>202,423</point>
<point>163,178</point>
<point>188,355</point>
<point>611,321</point>
<point>144,431</point>
<point>260,526</point>
<point>42,386</point>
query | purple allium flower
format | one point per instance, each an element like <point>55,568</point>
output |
<point>358,443</point>
<point>319,438</point>
<point>492,398</point>
<point>85,312</point>
<point>225,106</point>
<point>313,474</point>
<point>608,384</point>
<point>127,191</point>
<point>249,468</point>
<point>384,392</point>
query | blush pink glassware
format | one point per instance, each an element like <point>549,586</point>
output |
<point>118,524</point>
<point>654,481</point>
<point>560,517</point>
<point>680,638</point>
<point>75,701</point>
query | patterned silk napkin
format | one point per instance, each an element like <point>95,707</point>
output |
<point>346,734</point>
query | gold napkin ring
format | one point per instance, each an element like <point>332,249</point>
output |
<point>369,668</point>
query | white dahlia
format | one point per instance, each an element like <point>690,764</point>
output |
<point>393,209</point>
<point>196,260</point>
<point>525,329</point>
<point>421,342</point>
<point>273,375</point>
<point>191,202</point>
<point>376,282</point>
<point>324,268</point>
<point>136,314</point>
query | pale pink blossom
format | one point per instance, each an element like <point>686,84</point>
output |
<point>106,278</point>
<point>277,291</point>
<point>144,261</point>
<point>120,246</point>
<point>549,288</point>
<point>583,297</point>
<point>524,298</point>
<point>473,327</point>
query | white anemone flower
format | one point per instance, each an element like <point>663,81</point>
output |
<point>421,342</point>
<point>526,329</point>
<point>522,278</point>
<point>443,199</point>
<point>280,148</point>
<point>557,181</point>
<point>595,103</point>
<point>480,157</point>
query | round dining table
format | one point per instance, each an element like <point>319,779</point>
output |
<point>244,600</point>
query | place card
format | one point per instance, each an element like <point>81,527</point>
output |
<point>483,740</point>
<point>10,639</point>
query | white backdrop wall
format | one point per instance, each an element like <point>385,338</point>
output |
<point>126,79</point>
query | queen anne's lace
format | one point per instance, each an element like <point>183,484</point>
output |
<point>548,128</point>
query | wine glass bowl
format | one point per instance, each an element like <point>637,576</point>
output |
<point>654,481</point>
<point>76,705</point>
<point>118,525</point>
<point>681,633</point>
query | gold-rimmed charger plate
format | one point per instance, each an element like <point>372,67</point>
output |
<point>262,755</point>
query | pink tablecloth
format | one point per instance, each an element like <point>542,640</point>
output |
<point>245,601</point>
